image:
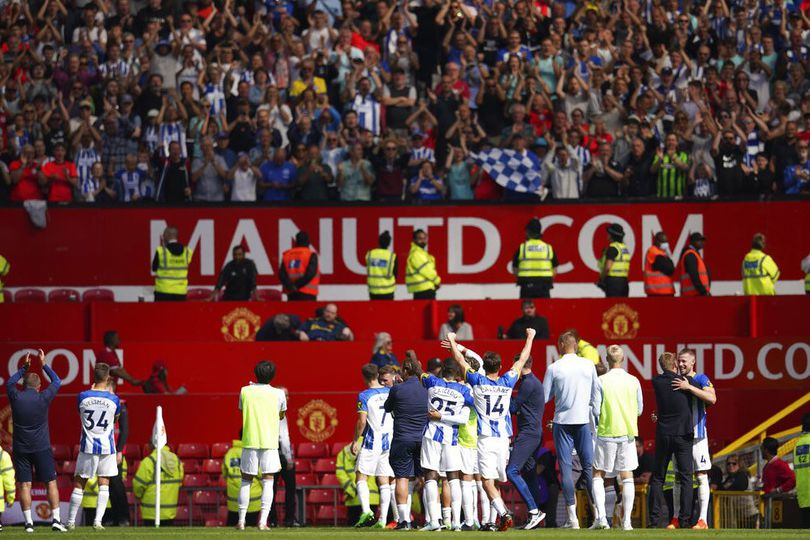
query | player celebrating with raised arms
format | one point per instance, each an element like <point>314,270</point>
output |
<point>449,403</point>
<point>491,396</point>
<point>376,427</point>
<point>98,410</point>
<point>704,394</point>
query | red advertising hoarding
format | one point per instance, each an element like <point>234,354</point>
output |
<point>473,244</point>
<point>754,378</point>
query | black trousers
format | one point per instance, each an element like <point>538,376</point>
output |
<point>119,514</point>
<point>300,296</point>
<point>251,519</point>
<point>389,296</point>
<point>679,448</point>
<point>290,501</point>
<point>163,523</point>
<point>535,290</point>
<point>616,287</point>
<point>166,297</point>
<point>804,513</point>
<point>425,295</point>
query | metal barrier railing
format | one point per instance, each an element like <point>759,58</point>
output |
<point>639,515</point>
<point>737,509</point>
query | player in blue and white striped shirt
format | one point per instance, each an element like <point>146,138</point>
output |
<point>98,410</point>
<point>450,403</point>
<point>492,395</point>
<point>376,428</point>
<point>702,390</point>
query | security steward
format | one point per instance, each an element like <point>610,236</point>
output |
<point>614,266</point>
<point>4,269</point>
<point>759,271</point>
<point>381,269</point>
<point>8,486</point>
<point>694,276</point>
<point>420,274</point>
<point>659,268</point>
<point>170,265</point>
<point>171,479</point>
<point>534,263</point>
<point>238,278</point>
<point>801,464</point>
<point>232,473</point>
<point>299,272</point>
<point>585,349</point>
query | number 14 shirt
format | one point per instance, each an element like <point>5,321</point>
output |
<point>492,400</point>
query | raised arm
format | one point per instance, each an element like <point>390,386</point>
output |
<point>526,352</point>
<point>11,385</point>
<point>454,348</point>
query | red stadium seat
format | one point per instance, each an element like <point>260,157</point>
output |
<point>312,450</point>
<point>219,449</point>
<point>65,485</point>
<point>98,295</point>
<point>216,481</point>
<point>303,465</point>
<point>76,449</point>
<point>268,295</point>
<point>61,452</point>
<point>30,296</point>
<point>325,465</point>
<point>7,296</point>
<point>329,480</point>
<point>191,466</point>
<point>195,480</point>
<point>68,467</point>
<point>199,295</point>
<point>649,445</point>
<point>134,467</point>
<point>205,497</point>
<point>183,517</point>
<point>307,479</point>
<point>132,451</point>
<point>322,496</point>
<point>335,448</point>
<point>214,523</point>
<point>212,466</point>
<point>222,513</point>
<point>64,295</point>
<point>193,450</point>
<point>328,513</point>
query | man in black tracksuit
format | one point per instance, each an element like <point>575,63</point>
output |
<point>673,439</point>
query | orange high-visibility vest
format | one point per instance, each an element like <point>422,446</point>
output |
<point>295,262</point>
<point>656,283</point>
<point>687,287</point>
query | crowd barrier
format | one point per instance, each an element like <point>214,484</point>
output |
<point>596,319</point>
<point>738,509</point>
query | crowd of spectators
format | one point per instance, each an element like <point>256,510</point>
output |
<point>244,100</point>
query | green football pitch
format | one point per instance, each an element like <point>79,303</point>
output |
<point>348,534</point>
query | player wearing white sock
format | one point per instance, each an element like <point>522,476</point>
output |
<point>617,405</point>
<point>98,410</point>
<point>701,388</point>
<point>263,407</point>
<point>372,439</point>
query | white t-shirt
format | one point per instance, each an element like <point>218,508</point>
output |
<point>244,185</point>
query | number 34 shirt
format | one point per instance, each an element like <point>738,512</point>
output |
<point>453,400</point>
<point>98,411</point>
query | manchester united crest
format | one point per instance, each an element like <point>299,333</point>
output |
<point>240,324</point>
<point>620,322</point>
<point>6,426</point>
<point>317,420</point>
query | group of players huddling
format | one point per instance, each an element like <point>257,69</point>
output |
<point>461,435</point>
<point>455,428</point>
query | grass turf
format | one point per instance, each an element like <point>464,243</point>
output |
<point>324,533</point>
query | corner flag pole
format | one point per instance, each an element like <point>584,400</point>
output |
<point>158,441</point>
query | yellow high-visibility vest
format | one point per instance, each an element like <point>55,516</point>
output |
<point>621,264</point>
<point>534,259</point>
<point>172,273</point>
<point>4,269</point>
<point>232,472</point>
<point>171,479</point>
<point>380,271</point>
<point>759,274</point>
<point>421,271</point>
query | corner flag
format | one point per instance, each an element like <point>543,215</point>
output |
<point>158,441</point>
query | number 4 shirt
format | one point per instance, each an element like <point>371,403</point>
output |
<point>492,400</point>
<point>452,400</point>
<point>98,410</point>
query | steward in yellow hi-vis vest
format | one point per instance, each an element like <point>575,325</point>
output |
<point>614,266</point>
<point>7,481</point>
<point>171,479</point>
<point>801,466</point>
<point>533,263</point>
<point>4,270</point>
<point>170,265</point>
<point>759,272</point>
<point>420,274</point>
<point>381,270</point>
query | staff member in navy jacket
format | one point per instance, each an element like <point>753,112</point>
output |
<point>408,403</point>
<point>528,405</point>
<point>31,439</point>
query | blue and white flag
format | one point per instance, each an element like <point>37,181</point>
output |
<point>514,171</point>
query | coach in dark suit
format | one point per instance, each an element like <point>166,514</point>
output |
<point>673,440</point>
<point>408,403</point>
